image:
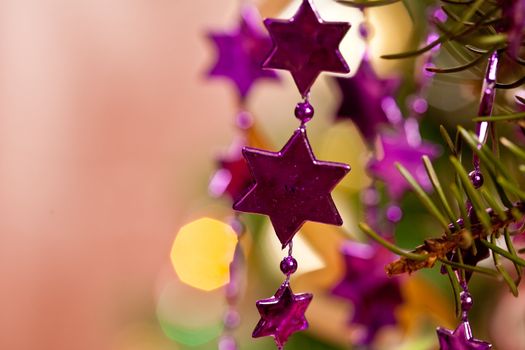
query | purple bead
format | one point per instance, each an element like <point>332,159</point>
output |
<point>237,226</point>
<point>288,265</point>
<point>244,121</point>
<point>418,105</point>
<point>227,343</point>
<point>394,213</point>
<point>476,178</point>
<point>439,15</point>
<point>370,197</point>
<point>363,30</point>
<point>466,301</point>
<point>304,111</point>
<point>231,319</point>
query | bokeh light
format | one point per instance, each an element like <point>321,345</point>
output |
<point>202,253</point>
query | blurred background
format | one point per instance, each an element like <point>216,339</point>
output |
<point>108,138</point>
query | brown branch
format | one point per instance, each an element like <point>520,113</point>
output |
<point>438,248</point>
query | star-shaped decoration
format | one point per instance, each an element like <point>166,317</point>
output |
<point>306,45</point>
<point>292,186</point>
<point>375,296</point>
<point>241,52</point>
<point>460,339</point>
<point>232,177</point>
<point>400,148</point>
<point>282,315</point>
<point>365,99</point>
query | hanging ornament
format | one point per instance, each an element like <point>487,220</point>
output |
<point>404,147</point>
<point>241,52</point>
<point>461,338</point>
<point>306,45</point>
<point>283,314</point>
<point>232,177</point>
<point>365,99</point>
<point>292,186</point>
<point>374,295</point>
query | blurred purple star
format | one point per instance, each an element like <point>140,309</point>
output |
<point>282,315</point>
<point>240,52</point>
<point>460,339</point>
<point>305,45</point>
<point>365,99</point>
<point>400,147</point>
<point>292,186</point>
<point>232,177</point>
<point>374,296</point>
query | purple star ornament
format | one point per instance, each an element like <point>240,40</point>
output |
<point>282,315</point>
<point>241,52</point>
<point>460,339</point>
<point>365,99</point>
<point>401,148</point>
<point>292,186</point>
<point>374,295</point>
<point>306,45</point>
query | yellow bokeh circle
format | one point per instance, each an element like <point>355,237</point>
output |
<point>202,252</point>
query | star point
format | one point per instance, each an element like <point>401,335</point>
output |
<point>292,186</point>
<point>306,45</point>
<point>282,315</point>
<point>460,339</point>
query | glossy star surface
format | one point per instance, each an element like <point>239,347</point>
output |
<point>460,339</point>
<point>282,315</point>
<point>364,99</point>
<point>375,296</point>
<point>399,148</point>
<point>232,177</point>
<point>306,45</point>
<point>292,186</point>
<point>241,52</point>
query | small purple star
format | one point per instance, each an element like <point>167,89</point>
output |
<point>305,45</point>
<point>460,339</point>
<point>400,148</point>
<point>364,99</point>
<point>233,177</point>
<point>241,53</point>
<point>292,186</point>
<point>375,296</point>
<point>282,315</point>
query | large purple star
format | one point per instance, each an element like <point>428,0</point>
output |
<point>399,148</point>
<point>282,315</point>
<point>305,45</point>
<point>375,297</point>
<point>292,186</point>
<point>365,99</point>
<point>460,339</point>
<point>241,53</point>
